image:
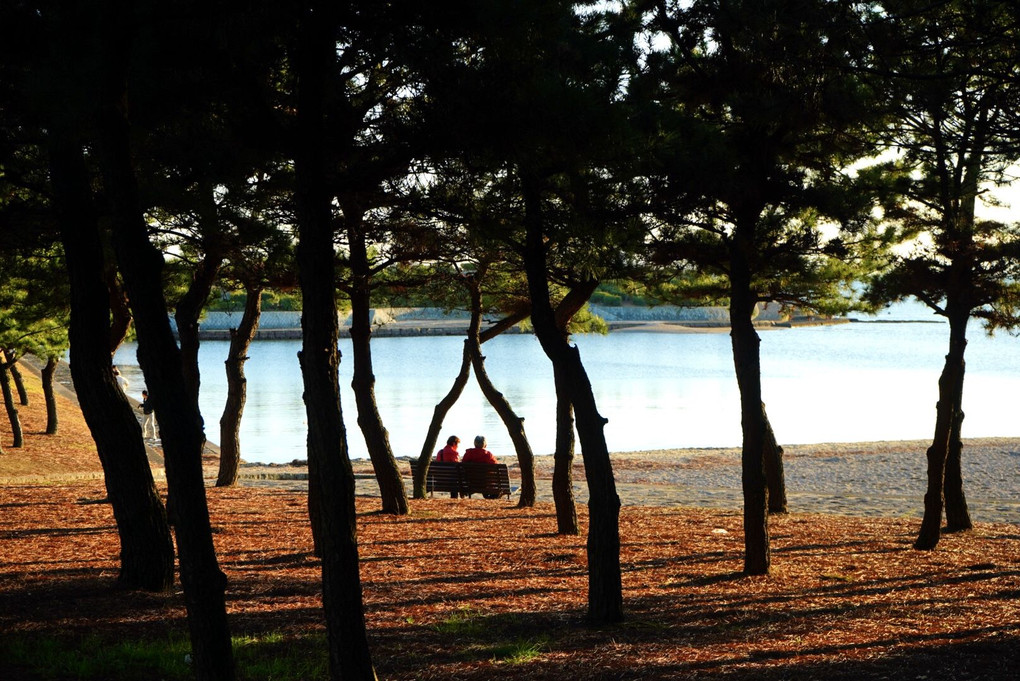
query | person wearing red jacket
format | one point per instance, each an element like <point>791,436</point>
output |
<point>449,452</point>
<point>478,453</point>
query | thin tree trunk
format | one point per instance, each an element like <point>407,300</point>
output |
<point>747,364</point>
<point>181,428</point>
<point>563,461</point>
<point>19,380</point>
<point>377,440</point>
<point>957,514</point>
<point>147,552</point>
<point>331,477</point>
<point>48,373</point>
<point>436,425</point>
<point>950,390</point>
<point>775,476</point>
<point>513,423</point>
<point>17,437</point>
<point>237,388</point>
<point>605,591</point>
<point>189,310</point>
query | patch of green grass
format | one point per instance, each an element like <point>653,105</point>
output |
<point>520,651</point>
<point>263,658</point>
<point>464,622</point>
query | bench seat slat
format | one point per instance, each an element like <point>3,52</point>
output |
<point>490,480</point>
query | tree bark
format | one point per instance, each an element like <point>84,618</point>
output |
<point>946,416</point>
<point>331,478</point>
<point>120,311</point>
<point>747,364</point>
<point>17,436</point>
<point>957,514</point>
<point>48,373</point>
<point>237,388</point>
<point>436,424</point>
<point>775,476</point>
<point>189,310</point>
<point>181,427</point>
<point>19,380</point>
<point>605,592</point>
<point>377,440</point>
<point>563,460</point>
<point>513,423</point>
<point>147,552</point>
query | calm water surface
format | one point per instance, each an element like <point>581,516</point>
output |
<point>848,383</point>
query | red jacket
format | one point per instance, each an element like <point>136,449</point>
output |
<point>478,455</point>
<point>448,453</point>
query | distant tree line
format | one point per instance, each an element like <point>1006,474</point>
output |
<point>507,158</point>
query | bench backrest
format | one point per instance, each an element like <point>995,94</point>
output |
<point>490,480</point>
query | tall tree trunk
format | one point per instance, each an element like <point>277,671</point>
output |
<point>181,428</point>
<point>147,552</point>
<point>19,380</point>
<point>775,476</point>
<point>331,478</point>
<point>436,424</point>
<point>563,461</point>
<point>563,456</point>
<point>513,423</point>
<point>237,388</point>
<point>605,591</point>
<point>189,309</point>
<point>48,373</point>
<point>18,438</point>
<point>377,440</point>
<point>747,363</point>
<point>950,394</point>
<point>957,514</point>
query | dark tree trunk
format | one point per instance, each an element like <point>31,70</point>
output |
<point>747,363</point>
<point>48,372</point>
<point>17,437</point>
<point>147,552</point>
<point>237,388</point>
<point>513,423</point>
<point>181,430</point>
<point>19,380</point>
<point>438,415</point>
<point>189,309</point>
<point>120,311</point>
<point>563,456</point>
<point>946,412</point>
<point>331,478</point>
<point>563,461</point>
<point>775,476</point>
<point>377,440</point>
<point>957,514</point>
<point>605,591</point>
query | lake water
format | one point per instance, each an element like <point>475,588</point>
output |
<point>852,382</point>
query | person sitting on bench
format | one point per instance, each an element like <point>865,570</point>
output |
<point>478,453</point>
<point>448,454</point>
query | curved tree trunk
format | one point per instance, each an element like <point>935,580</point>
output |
<point>331,477</point>
<point>775,476</point>
<point>17,436</point>
<point>181,429</point>
<point>147,552</point>
<point>438,415</point>
<point>120,311</point>
<point>187,314</point>
<point>513,423</point>
<point>563,461</point>
<point>48,373</point>
<point>237,388</point>
<point>747,364</point>
<point>605,591</point>
<point>950,394</point>
<point>377,440</point>
<point>19,380</point>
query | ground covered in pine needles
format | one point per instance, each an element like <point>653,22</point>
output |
<point>476,589</point>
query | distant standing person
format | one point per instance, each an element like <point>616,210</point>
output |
<point>478,453</point>
<point>149,424</point>
<point>121,381</point>
<point>449,452</point>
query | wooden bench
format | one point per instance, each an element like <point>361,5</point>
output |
<point>491,481</point>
